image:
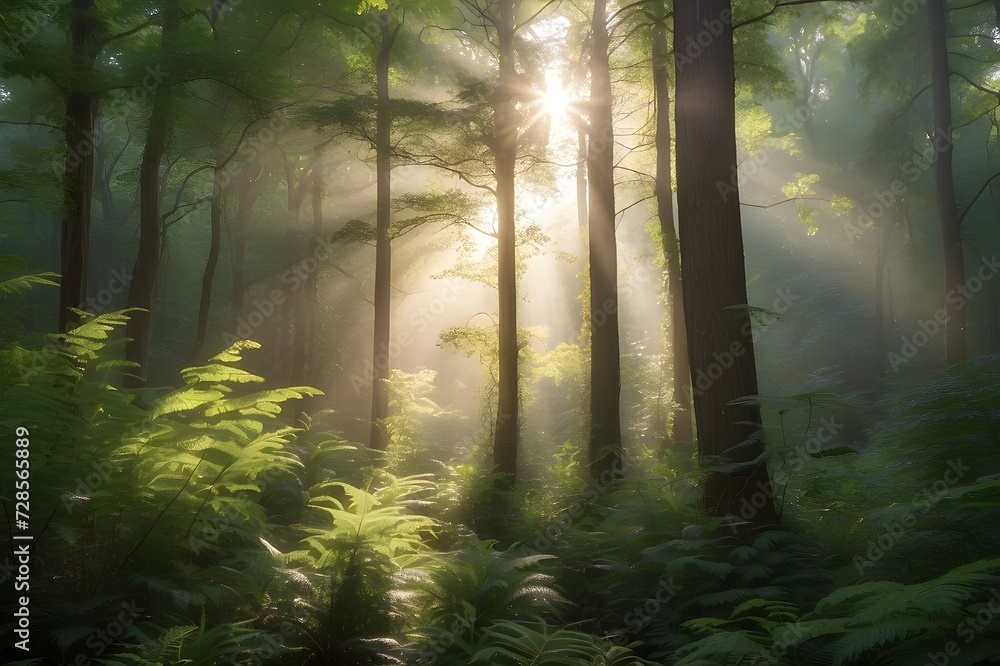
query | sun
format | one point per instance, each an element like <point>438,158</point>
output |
<point>555,100</point>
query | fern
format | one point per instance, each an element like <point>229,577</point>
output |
<point>514,644</point>
<point>859,621</point>
<point>22,283</point>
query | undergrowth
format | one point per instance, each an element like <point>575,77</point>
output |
<point>201,525</point>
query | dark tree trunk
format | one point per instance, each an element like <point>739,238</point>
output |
<point>247,191</point>
<point>312,284</point>
<point>671,249</point>
<point>214,249</point>
<point>78,178</point>
<point>381,362</point>
<point>297,186</point>
<point>718,323</point>
<point>506,433</point>
<point>605,360</point>
<point>582,215</point>
<point>147,261</point>
<point>944,188</point>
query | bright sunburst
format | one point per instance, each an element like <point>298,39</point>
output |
<point>555,99</point>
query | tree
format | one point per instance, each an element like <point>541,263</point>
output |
<point>605,357</point>
<point>663,190</point>
<point>944,187</point>
<point>714,276</point>
<point>82,105</point>
<point>383,250</point>
<point>506,433</point>
<point>147,260</point>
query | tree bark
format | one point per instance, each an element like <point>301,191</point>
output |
<point>714,277</point>
<point>147,261</point>
<point>247,191</point>
<point>381,361</point>
<point>78,175</point>
<point>505,137</point>
<point>944,188</point>
<point>214,249</point>
<point>682,427</point>
<point>605,360</point>
<point>582,214</point>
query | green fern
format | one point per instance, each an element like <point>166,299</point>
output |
<point>514,644</point>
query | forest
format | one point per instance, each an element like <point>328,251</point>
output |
<point>509,332</point>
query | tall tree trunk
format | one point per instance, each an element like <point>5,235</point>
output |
<point>247,191</point>
<point>147,261</point>
<point>668,234</point>
<point>505,137</point>
<point>718,323</point>
<point>944,188</point>
<point>605,359</point>
<point>302,309</point>
<point>214,249</point>
<point>582,215</point>
<point>381,360</point>
<point>78,178</point>
<point>312,284</point>
<point>881,271</point>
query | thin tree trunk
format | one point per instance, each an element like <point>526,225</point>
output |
<point>78,178</point>
<point>247,193</point>
<point>582,215</point>
<point>214,249</point>
<point>506,433</point>
<point>312,284</point>
<point>682,427</point>
<point>147,261</point>
<point>605,359</point>
<point>381,361</point>
<point>944,188</point>
<point>881,267</point>
<point>718,323</point>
